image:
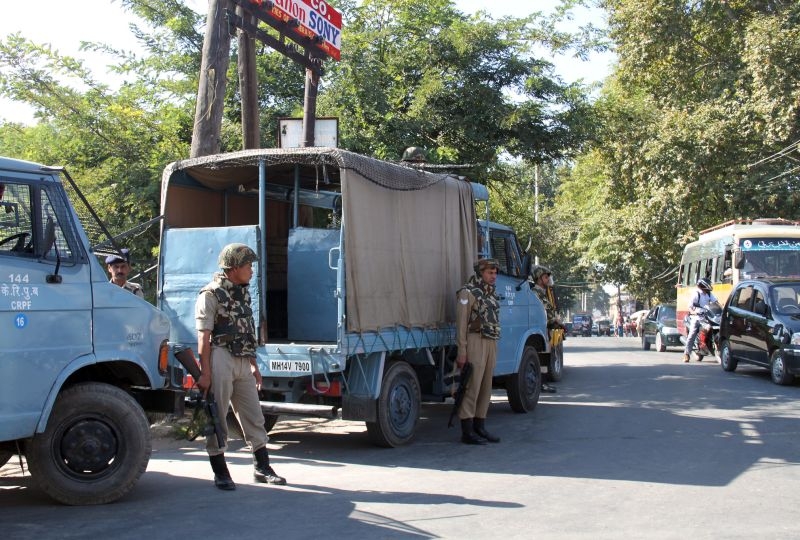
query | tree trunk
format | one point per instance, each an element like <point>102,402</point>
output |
<point>248,86</point>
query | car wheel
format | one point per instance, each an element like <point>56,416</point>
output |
<point>726,360</point>
<point>777,369</point>
<point>660,347</point>
<point>645,343</point>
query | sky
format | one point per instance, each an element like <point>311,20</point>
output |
<point>65,24</point>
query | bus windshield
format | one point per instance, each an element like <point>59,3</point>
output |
<point>769,257</point>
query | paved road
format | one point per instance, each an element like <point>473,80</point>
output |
<point>634,445</point>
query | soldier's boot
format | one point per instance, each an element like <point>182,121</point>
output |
<point>263,472</point>
<point>468,435</point>
<point>222,478</point>
<point>479,425</point>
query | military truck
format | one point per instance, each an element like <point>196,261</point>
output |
<point>354,290</point>
<point>81,359</point>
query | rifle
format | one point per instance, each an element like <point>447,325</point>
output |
<point>466,373</point>
<point>186,357</point>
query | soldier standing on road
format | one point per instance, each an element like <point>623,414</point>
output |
<point>226,336</point>
<point>477,332</point>
<point>542,286</point>
<point>119,266</point>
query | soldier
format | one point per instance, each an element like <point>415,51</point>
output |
<point>542,285</point>
<point>226,343</point>
<point>477,332</point>
<point>119,266</point>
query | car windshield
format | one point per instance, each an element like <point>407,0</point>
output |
<point>785,298</point>
<point>666,314</point>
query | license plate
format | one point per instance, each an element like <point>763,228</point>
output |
<point>303,366</point>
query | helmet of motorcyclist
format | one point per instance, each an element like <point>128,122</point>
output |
<point>704,285</point>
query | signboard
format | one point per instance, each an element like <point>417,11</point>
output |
<point>290,132</point>
<point>313,19</point>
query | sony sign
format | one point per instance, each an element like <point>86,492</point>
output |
<point>315,19</point>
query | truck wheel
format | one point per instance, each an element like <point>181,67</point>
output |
<point>524,386</point>
<point>397,407</point>
<point>95,447</point>
<point>555,367</point>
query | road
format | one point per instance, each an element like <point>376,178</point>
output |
<point>634,445</point>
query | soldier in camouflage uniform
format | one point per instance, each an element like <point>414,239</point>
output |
<point>542,283</point>
<point>477,332</point>
<point>226,344</point>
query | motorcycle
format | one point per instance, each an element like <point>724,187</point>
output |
<point>707,343</point>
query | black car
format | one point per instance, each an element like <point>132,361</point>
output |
<point>660,328</point>
<point>761,326</point>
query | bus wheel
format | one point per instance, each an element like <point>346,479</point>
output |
<point>524,386</point>
<point>397,407</point>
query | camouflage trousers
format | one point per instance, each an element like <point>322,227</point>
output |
<point>482,354</point>
<point>233,385</point>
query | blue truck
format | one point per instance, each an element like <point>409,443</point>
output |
<point>81,359</point>
<point>354,290</point>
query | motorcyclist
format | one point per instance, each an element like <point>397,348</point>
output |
<point>698,304</point>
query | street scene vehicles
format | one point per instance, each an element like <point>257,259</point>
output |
<point>81,359</point>
<point>735,250</point>
<point>582,324</point>
<point>354,290</point>
<point>658,328</point>
<point>761,327</point>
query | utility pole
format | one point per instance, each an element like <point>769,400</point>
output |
<point>248,83</point>
<point>211,91</point>
<point>310,107</point>
<point>536,202</point>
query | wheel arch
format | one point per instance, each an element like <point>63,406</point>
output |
<point>120,373</point>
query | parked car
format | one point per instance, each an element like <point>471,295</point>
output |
<point>761,326</point>
<point>603,327</point>
<point>660,328</point>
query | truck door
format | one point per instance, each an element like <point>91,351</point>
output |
<point>46,323</point>
<point>514,304</point>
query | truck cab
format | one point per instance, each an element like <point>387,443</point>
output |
<point>81,358</point>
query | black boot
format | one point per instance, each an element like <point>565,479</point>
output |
<point>263,472</point>
<point>478,424</point>
<point>222,478</point>
<point>467,434</point>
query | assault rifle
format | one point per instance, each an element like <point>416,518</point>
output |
<point>466,373</point>
<point>186,357</point>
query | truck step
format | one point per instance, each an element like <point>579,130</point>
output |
<point>299,409</point>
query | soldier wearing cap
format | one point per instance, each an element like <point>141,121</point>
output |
<point>226,344</point>
<point>541,282</point>
<point>477,332</point>
<point>119,266</point>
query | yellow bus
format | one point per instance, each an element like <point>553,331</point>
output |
<point>735,250</point>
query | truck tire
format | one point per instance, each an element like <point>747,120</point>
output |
<point>397,407</point>
<point>524,386</point>
<point>555,366</point>
<point>95,447</point>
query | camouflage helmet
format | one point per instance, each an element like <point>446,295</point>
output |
<point>539,270</point>
<point>483,264</point>
<point>236,255</point>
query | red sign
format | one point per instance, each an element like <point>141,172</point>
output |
<point>315,19</point>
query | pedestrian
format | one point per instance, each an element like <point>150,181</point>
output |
<point>477,332</point>
<point>226,344</point>
<point>119,266</point>
<point>542,285</point>
<point>698,303</point>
